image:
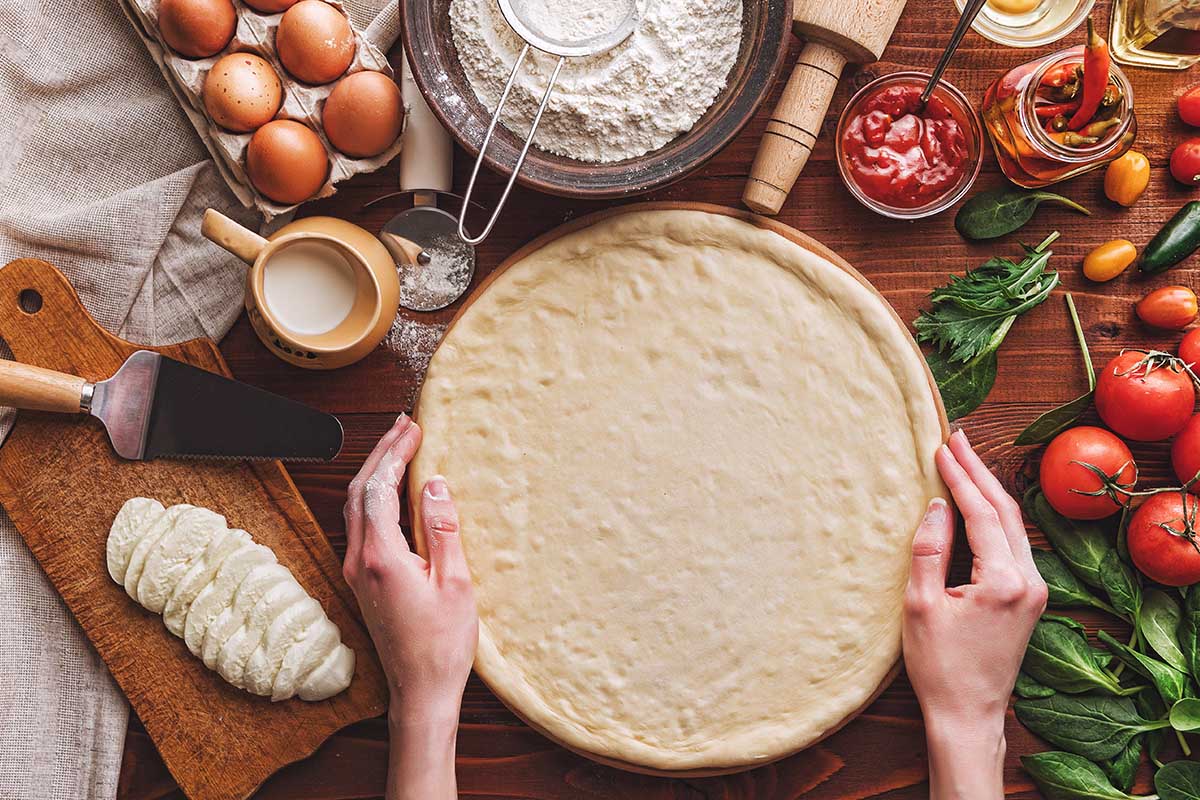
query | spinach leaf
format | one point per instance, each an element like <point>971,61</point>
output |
<point>1123,585</point>
<point>999,211</point>
<point>1081,545</point>
<point>1093,726</point>
<point>1179,780</point>
<point>1028,688</point>
<point>1070,622</point>
<point>1159,624</point>
<point>1064,776</point>
<point>1150,706</point>
<point>1189,633</point>
<point>1169,681</point>
<point>1185,715</point>
<point>1122,770</point>
<point>1066,591</point>
<point>1058,419</point>
<point>1061,658</point>
<point>963,386</point>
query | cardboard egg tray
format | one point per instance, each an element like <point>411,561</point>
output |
<point>255,33</point>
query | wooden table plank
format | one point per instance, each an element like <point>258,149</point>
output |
<point>880,755</point>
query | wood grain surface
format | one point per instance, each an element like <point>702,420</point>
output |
<point>881,755</point>
<point>62,485</point>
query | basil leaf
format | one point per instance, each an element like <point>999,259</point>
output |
<point>1061,658</point>
<point>1064,776</point>
<point>1169,681</point>
<point>1185,715</point>
<point>1122,770</point>
<point>1028,688</point>
<point>1159,624</point>
<point>1122,584</point>
<point>1179,780</point>
<point>1054,421</point>
<point>999,211</point>
<point>1081,545</point>
<point>1092,726</point>
<point>963,385</point>
<point>1066,591</point>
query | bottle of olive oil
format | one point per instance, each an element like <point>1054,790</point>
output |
<point>1156,33</point>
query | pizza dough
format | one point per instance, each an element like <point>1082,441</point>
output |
<point>689,457</point>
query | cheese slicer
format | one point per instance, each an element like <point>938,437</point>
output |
<point>156,407</point>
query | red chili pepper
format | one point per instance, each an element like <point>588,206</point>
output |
<point>1058,75</point>
<point>1095,78</point>
<point>1052,110</point>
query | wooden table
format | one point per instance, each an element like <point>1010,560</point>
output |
<point>882,753</point>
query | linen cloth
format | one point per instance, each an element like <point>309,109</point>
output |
<point>102,175</point>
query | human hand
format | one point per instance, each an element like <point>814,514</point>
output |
<point>963,645</point>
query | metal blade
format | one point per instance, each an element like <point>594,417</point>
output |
<point>158,407</point>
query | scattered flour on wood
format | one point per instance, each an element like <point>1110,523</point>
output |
<point>413,342</point>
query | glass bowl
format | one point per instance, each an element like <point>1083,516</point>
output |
<point>1047,22</point>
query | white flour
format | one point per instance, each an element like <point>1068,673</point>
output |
<point>621,104</point>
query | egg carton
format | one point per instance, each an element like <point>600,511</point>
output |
<point>255,33</point>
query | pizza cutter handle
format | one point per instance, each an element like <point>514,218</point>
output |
<point>427,158</point>
<point>36,389</point>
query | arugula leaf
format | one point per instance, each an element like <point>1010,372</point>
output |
<point>1093,726</point>
<point>1065,776</point>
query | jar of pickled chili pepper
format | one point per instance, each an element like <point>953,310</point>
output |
<point>1032,116</point>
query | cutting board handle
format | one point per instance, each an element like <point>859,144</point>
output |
<point>793,128</point>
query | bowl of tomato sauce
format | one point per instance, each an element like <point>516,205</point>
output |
<point>903,158</point>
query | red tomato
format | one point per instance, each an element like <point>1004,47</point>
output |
<point>1185,162</point>
<point>1170,307</point>
<point>1143,397</point>
<point>1162,539</point>
<point>1189,106</point>
<point>1185,453</point>
<point>1063,476</point>
<point>1189,349</point>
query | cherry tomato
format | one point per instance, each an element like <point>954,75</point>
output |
<point>1189,106</point>
<point>1171,307</point>
<point>1063,476</point>
<point>1162,539</point>
<point>1185,453</point>
<point>1185,162</point>
<point>1143,397</point>
<point>1189,349</point>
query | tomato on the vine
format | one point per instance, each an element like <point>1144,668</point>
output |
<point>1185,162</point>
<point>1185,453</point>
<point>1162,539</point>
<point>1066,480</point>
<point>1146,397</point>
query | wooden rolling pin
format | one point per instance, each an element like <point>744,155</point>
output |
<point>836,33</point>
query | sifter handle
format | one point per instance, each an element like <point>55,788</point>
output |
<point>37,389</point>
<point>793,128</point>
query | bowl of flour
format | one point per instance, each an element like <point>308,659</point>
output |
<point>637,117</point>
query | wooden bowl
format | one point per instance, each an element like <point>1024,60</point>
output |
<point>435,66</point>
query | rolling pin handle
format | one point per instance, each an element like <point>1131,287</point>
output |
<point>36,389</point>
<point>793,128</point>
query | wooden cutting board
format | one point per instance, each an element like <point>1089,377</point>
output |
<point>62,485</point>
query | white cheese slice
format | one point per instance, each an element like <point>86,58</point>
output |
<point>168,560</point>
<point>331,677</point>
<point>131,523</point>
<point>218,594</point>
<point>199,573</point>
<point>236,652</point>
<point>304,656</point>
<point>254,587</point>
<point>137,559</point>
<point>283,632</point>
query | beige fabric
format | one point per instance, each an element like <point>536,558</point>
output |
<point>689,457</point>
<point>102,175</point>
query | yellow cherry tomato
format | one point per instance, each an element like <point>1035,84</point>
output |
<point>1109,260</point>
<point>1126,178</point>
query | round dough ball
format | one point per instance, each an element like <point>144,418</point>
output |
<point>315,41</point>
<point>197,28</point>
<point>286,161</point>
<point>270,6</point>
<point>364,114</point>
<point>242,92</point>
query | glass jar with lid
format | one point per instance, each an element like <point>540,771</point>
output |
<point>1032,142</point>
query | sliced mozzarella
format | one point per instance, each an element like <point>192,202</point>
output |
<point>304,656</point>
<point>255,586</point>
<point>169,559</point>
<point>283,632</point>
<point>236,652</point>
<point>199,573</point>
<point>218,594</point>
<point>331,677</point>
<point>137,559</point>
<point>131,523</point>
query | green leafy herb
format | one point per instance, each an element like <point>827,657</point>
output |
<point>1122,770</point>
<point>1169,681</point>
<point>1081,545</point>
<point>1065,776</point>
<point>1150,706</point>
<point>999,211</point>
<point>1059,657</point>
<point>1159,624</point>
<point>1185,715</point>
<point>1066,591</point>
<point>1093,726</point>
<point>1028,688</point>
<point>1057,420</point>
<point>1179,780</point>
<point>1189,633</point>
<point>963,386</point>
<point>1122,584</point>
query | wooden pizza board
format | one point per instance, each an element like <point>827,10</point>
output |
<point>62,485</point>
<point>789,233</point>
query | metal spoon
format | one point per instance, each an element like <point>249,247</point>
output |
<point>969,13</point>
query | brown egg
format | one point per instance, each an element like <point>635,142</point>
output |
<point>364,114</point>
<point>286,161</point>
<point>242,92</point>
<point>197,28</point>
<point>315,41</point>
<point>270,6</point>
